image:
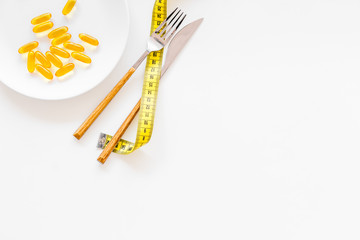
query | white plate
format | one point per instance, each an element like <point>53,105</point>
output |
<point>107,20</point>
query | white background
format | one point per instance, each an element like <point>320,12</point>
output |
<point>257,136</point>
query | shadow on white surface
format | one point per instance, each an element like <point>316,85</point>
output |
<point>138,161</point>
<point>55,111</point>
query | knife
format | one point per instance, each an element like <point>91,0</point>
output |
<point>178,43</point>
<point>175,47</point>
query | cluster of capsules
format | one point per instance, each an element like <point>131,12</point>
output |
<point>42,63</point>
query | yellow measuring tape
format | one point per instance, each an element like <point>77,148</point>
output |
<point>149,92</point>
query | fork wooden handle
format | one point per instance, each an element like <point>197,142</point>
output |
<point>116,138</point>
<point>98,110</point>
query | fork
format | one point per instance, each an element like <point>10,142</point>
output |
<point>157,41</point>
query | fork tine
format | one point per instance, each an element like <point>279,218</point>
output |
<point>171,14</point>
<point>160,27</point>
<point>170,33</point>
<point>163,23</point>
<point>180,22</point>
<point>167,25</point>
<point>174,17</point>
<point>168,30</point>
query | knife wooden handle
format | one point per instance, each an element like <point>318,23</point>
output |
<point>98,110</point>
<point>116,138</point>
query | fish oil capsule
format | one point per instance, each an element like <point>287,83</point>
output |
<point>31,62</point>
<point>54,59</point>
<point>60,52</point>
<point>89,39</point>
<point>28,47</point>
<point>81,57</point>
<point>42,59</point>
<point>44,71</point>
<point>74,47</point>
<point>58,32</point>
<point>65,69</point>
<point>41,18</point>
<point>59,40</point>
<point>68,7</point>
<point>42,27</point>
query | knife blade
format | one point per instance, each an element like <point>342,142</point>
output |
<point>173,50</point>
<point>178,43</point>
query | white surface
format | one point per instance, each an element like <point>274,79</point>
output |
<point>108,22</point>
<point>254,139</point>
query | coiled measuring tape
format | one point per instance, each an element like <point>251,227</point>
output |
<point>149,92</point>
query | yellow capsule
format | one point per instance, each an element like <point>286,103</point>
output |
<point>28,47</point>
<point>54,59</point>
<point>59,51</point>
<point>81,57</point>
<point>74,47</point>
<point>63,38</point>
<point>31,62</point>
<point>64,70</point>
<point>40,19</point>
<point>68,7</point>
<point>42,59</point>
<point>44,71</point>
<point>42,27</point>
<point>89,39</point>
<point>58,32</point>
